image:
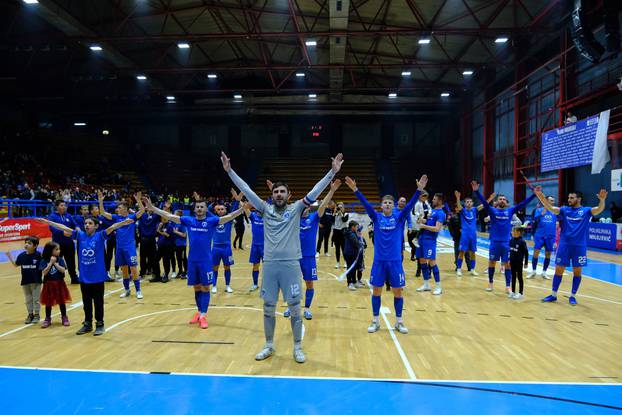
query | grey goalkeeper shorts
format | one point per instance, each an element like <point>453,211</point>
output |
<point>284,276</point>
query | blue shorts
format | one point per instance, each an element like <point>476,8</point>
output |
<point>200,273</point>
<point>126,257</point>
<point>381,271</point>
<point>546,241</point>
<point>499,251</point>
<point>256,254</point>
<point>224,253</point>
<point>468,242</point>
<point>426,250</point>
<point>570,255</point>
<point>308,268</point>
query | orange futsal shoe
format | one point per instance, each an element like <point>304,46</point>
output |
<point>203,322</point>
<point>195,319</point>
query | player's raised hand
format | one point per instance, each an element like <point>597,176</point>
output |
<point>42,220</point>
<point>337,162</point>
<point>537,189</point>
<point>474,186</point>
<point>147,203</point>
<point>237,196</point>
<point>602,194</point>
<point>422,182</point>
<point>269,184</point>
<point>100,196</point>
<point>457,194</point>
<point>247,206</point>
<point>335,185</point>
<point>138,196</point>
<point>351,184</point>
<point>226,161</point>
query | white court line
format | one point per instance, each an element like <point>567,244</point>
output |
<point>411,373</point>
<point>320,378</point>
<point>71,307</point>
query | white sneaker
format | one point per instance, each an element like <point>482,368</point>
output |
<point>416,243</point>
<point>299,356</point>
<point>337,265</point>
<point>546,277</point>
<point>117,273</point>
<point>228,289</point>
<point>345,266</point>
<point>511,295</point>
<point>351,287</point>
<point>518,296</point>
<point>327,254</point>
<point>373,327</point>
<point>459,273</point>
<point>110,275</point>
<point>265,353</point>
<point>125,293</point>
<point>531,274</point>
<point>437,291</point>
<point>424,287</point>
<point>359,284</point>
<point>489,288</point>
<point>173,275</point>
<point>539,272</point>
<point>401,328</point>
<point>473,272</point>
<point>139,295</point>
<point>317,254</point>
<point>253,288</point>
<point>214,290</point>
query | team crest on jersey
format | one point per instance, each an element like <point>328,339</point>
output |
<point>204,224</point>
<point>286,215</point>
<point>221,227</point>
<point>580,212</point>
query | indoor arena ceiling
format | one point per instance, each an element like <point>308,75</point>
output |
<point>277,51</point>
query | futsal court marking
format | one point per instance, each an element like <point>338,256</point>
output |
<point>71,307</point>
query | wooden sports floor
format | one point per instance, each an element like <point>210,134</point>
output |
<point>464,334</point>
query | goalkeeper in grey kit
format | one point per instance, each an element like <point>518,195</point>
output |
<point>281,271</point>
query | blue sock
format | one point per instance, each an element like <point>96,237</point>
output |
<point>215,278</point>
<point>309,297</point>
<point>197,299</point>
<point>472,264</point>
<point>576,281</point>
<point>491,274</point>
<point>255,277</point>
<point>437,274</point>
<point>398,303</point>
<point>425,269</point>
<point>547,261</point>
<point>228,276</point>
<point>375,305</point>
<point>204,301</point>
<point>126,283</point>
<point>534,262</point>
<point>508,276</point>
<point>458,263</point>
<point>557,279</point>
<point>137,285</point>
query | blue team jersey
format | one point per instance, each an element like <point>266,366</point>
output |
<point>256,228</point>
<point>125,234</point>
<point>104,224</point>
<point>58,236</point>
<point>388,230</point>
<point>397,211</point>
<point>167,240</point>
<point>308,234</point>
<point>148,225</point>
<point>222,234</point>
<point>501,219</point>
<point>468,219</point>
<point>435,215</point>
<point>180,240</point>
<point>200,234</point>
<point>79,221</point>
<point>546,223</point>
<point>574,225</point>
<point>91,258</point>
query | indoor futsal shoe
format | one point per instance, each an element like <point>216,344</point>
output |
<point>489,288</point>
<point>203,322</point>
<point>401,328</point>
<point>437,291</point>
<point>308,315</point>
<point>424,287</point>
<point>253,288</point>
<point>195,318</point>
<point>299,355</point>
<point>572,300</point>
<point>549,299</point>
<point>459,273</point>
<point>139,295</point>
<point>125,293</point>
<point>286,313</point>
<point>474,273</point>
<point>265,353</point>
<point>373,327</point>
<point>228,289</point>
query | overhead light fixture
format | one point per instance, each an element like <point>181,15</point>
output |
<point>406,73</point>
<point>95,48</point>
<point>445,94</point>
<point>300,74</point>
<point>170,98</point>
<point>183,45</point>
<point>237,96</point>
<point>312,96</point>
<point>310,43</point>
<point>31,1</point>
<point>392,95</point>
<point>105,132</point>
<point>141,77</point>
<point>212,76</point>
<point>79,124</point>
<point>501,39</point>
<point>424,41</point>
<point>467,73</point>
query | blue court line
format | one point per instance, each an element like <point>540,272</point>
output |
<point>76,391</point>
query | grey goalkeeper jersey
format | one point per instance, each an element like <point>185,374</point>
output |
<point>281,226</point>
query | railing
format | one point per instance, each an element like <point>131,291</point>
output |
<point>20,208</point>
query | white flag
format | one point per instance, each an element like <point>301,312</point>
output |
<point>600,157</point>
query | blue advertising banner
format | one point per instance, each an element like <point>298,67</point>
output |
<point>602,235</point>
<point>569,146</point>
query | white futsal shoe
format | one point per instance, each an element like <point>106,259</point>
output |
<point>265,353</point>
<point>437,291</point>
<point>228,289</point>
<point>399,326</point>
<point>214,290</point>
<point>139,295</point>
<point>299,355</point>
<point>531,274</point>
<point>373,327</point>
<point>125,294</point>
<point>474,273</point>
<point>424,287</point>
<point>459,273</point>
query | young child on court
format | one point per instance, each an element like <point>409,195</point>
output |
<point>353,249</point>
<point>28,261</point>
<point>54,291</point>
<point>519,255</point>
<point>360,263</point>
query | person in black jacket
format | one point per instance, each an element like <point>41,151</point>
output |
<point>353,248</point>
<point>326,224</point>
<point>454,224</point>
<point>518,255</point>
